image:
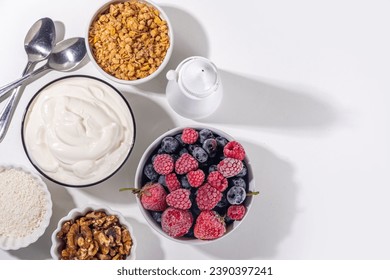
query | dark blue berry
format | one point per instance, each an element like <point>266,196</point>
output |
<point>195,209</point>
<point>184,182</point>
<point>223,202</point>
<point>243,172</point>
<point>156,216</point>
<point>221,141</point>
<point>228,221</point>
<point>210,146</point>
<point>190,233</point>
<point>170,144</point>
<point>161,180</point>
<point>178,138</point>
<point>205,134</point>
<point>236,195</point>
<point>213,168</point>
<point>191,148</point>
<point>200,154</point>
<point>239,182</point>
<point>150,172</point>
<point>183,151</point>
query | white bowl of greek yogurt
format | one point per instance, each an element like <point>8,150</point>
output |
<point>78,131</point>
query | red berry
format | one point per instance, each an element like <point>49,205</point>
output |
<point>189,135</point>
<point>230,167</point>
<point>179,199</point>
<point>209,225</point>
<point>185,164</point>
<point>208,197</point>
<point>217,180</point>
<point>153,197</point>
<point>195,178</point>
<point>176,222</point>
<point>163,164</point>
<point>233,149</point>
<point>172,182</point>
<point>236,212</point>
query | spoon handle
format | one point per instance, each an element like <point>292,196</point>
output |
<point>9,109</point>
<point>5,89</point>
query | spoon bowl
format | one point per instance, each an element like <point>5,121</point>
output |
<point>66,56</point>
<point>38,45</point>
<point>40,40</point>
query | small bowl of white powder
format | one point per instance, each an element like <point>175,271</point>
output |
<point>26,207</point>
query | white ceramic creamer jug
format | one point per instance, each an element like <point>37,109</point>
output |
<point>194,89</point>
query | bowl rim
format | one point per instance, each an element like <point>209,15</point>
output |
<point>139,175</point>
<point>38,232</point>
<point>160,68</point>
<point>82,210</point>
<point>27,109</point>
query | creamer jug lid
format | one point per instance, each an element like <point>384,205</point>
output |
<point>199,77</point>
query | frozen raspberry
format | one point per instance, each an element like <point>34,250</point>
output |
<point>217,180</point>
<point>195,178</point>
<point>189,136</point>
<point>230,167</point>
<point>176,222</point>
<point>172,182</point>
<point>163,164</point>
<point>185,164</point>
<point>153,197</point>
<point>179,199</point>
<point>209,225</point>
<point>236,212</point>
<point>207,197</point>
<point>233,149</point>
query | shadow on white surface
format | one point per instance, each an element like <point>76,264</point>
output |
<point>272,213</point>
<point>62,204</point>
<point>144,235</point>
<point>189,40</point>
<point>151,121</point>
<point>263,104</point>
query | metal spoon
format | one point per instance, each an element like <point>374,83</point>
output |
<point>66,55</point>
<point>38,45</point>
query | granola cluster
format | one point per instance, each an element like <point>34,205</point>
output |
<point>95,236</point>
<point>129,40</point>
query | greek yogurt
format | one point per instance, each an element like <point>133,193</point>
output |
<point>78,131</point>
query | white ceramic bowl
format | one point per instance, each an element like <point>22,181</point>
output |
<point>81,211</point>
<point>163,16</point>
<point>85,144</point>
<point>139,177</point>
<point>14,243</point>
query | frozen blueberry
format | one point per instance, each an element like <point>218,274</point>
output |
<point>156,216</point>
<point>238,182</point>
<point>205,134</point>
<point>150,172</point>
<point>184,182</point>
<point>221,141</point>
<point>210,146</point>
<point>200,154</point>
<point>170,144</point>
<point>162,181</point>
<point>191,148</point>
<point>236,195</point>
<point>213,168</point>
<point>243,172</point>
<point>183,151</point>
<point>178,138</point>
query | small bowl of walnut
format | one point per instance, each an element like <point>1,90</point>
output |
<point>93,233</point>
<point>129,41</point>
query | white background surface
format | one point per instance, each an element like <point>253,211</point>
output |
<point>306,92</point>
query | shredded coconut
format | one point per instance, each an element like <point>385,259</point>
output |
<point>22,203</point>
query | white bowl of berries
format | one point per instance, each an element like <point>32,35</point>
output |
<point>194,184</point>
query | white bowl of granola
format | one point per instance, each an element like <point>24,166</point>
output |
<point>93,232</point>
<point>129,41</point>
